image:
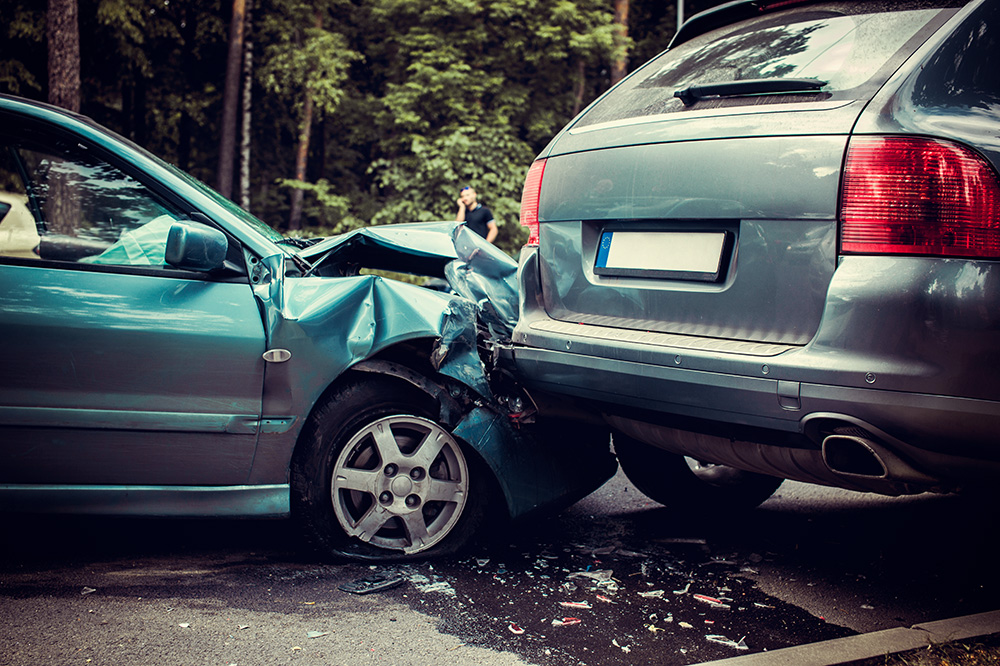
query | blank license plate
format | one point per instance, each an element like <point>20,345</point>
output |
<point>682,255</point>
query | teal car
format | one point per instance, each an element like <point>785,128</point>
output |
<point>168,354</point>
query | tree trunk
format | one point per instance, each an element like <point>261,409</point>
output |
<point>187,125</point>
<point>246,125</point>
<point>63,34</point>
<point>619,68</point>
<point>230,100</point>
<point>301,154</point>
<point>581,72</point>
<point>62,209</point>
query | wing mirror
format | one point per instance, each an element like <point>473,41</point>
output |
<point>196,247</point>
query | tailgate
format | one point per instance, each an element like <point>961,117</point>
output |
<point>729,238</point>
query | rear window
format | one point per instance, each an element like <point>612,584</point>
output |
<point>849,46</point>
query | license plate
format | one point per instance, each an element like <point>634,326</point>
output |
<point>683,255</point>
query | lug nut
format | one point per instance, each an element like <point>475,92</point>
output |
<point>417,473</point>
<point>391,469</point>
<point>412,501</point>
<point>385,498</point>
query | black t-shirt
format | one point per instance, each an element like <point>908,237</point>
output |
<point>478,220</point>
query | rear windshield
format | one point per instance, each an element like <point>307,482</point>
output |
<point>848,45</point>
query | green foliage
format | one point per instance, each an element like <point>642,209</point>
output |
<point>330,211</point>
<point>22,32</point>
<point>413,99</point>
<point>303,55</point>
<point>469,92</point>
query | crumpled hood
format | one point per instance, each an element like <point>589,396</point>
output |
<point>473,268</point>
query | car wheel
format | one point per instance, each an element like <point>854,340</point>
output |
<point>376,477</point>
<point>675,480</point>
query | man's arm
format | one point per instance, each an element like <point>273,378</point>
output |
<point>491,231</point>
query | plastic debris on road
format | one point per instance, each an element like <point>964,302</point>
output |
<point>374,583</point>
<point>87,590</point>
<point>722,640</point>
<point>575,604</point>
<point>712,601</point>
<point>317,634</point>
<point>426,585</point>
<point>534,584</point>
<point>598,575</point>
<point>599,578</point>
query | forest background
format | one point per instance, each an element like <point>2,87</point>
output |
<point>338,113</point>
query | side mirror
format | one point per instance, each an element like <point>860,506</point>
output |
<point>196,247</point>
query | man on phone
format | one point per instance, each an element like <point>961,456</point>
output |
<point>476,216</point>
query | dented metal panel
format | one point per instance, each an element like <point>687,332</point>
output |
<point>333,325</point>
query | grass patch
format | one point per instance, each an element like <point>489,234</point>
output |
<point>983,652</point>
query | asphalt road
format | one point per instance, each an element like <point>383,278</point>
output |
<point>647,584</point>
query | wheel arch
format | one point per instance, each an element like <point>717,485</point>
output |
<point>409,363</point>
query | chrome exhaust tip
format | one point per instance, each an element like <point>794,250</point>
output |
<point>854,456</point>
<point>861,457</point>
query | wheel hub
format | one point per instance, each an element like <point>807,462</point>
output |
<point>401,486</point>
<point>401,483</point>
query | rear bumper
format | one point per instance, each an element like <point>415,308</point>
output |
<point>784,396</point>
<point>945,436</point>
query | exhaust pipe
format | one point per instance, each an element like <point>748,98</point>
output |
<point>853,456</point>
<point>862,457</point>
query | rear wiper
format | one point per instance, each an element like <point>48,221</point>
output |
<point>692,94</point>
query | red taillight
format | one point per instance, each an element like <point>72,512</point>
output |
<point>911,195</point>
<point>529,201</point>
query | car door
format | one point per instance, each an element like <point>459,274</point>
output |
<point>117,368</point>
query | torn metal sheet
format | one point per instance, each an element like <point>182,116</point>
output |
<point>422,248</point>
<point>486,276</point>
<point>377,313</point>
<point>474,268</point>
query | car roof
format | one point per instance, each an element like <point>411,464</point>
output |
<point>731,12</point>
<point>205,197</point>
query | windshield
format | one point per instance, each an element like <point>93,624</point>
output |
<point>231,207</point>
<point>258,225</point>
<point>845,45</point>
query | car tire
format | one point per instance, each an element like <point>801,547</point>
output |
<point>376,477</point>
<point>676,481</point>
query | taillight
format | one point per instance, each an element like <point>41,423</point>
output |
<point>529,201</point>
<point>912,195</point>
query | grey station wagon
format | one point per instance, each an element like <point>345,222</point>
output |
<point>773,252</point>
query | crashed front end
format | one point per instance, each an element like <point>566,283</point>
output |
<point>441,338</point>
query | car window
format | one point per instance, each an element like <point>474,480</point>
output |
<point>18,229</point>
<point>60,202</point>
<point>964,71</point>
<point>844,45</point>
